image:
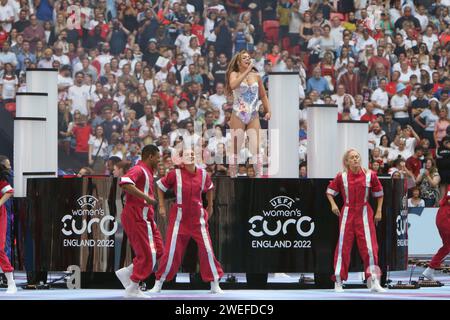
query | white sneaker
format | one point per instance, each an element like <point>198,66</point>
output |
<point>156,288</point>
<point>124,275</point>
<point>376,286</point>
<point>215,288</point>
<point>338,287</point>
<point>12,289</point>
<point>133,291</point>
<point>429,274</point>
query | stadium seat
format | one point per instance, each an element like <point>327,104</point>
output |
<point>286,44</point>
<point>271,29</point>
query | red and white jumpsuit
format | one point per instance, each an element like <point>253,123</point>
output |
<point>5,264</point>
<point>443,225</point>
<point>356,220</point>
<point>188,218</point>
<point>138,223</point>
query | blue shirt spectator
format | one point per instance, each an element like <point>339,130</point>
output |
<point>317,82</point>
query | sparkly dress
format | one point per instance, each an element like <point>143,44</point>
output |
<point>245,105</point>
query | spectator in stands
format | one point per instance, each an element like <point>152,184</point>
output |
<point>23,55</point>
<point>399,105</point>
<point>121,168</point>
<point>98,145</point>
<point>133,154</point>
<point>351,80</point>
<point>375,135</point>
<point>34,33</point>
<point>428,181</point>
<point>85,171</point>
<point>109,124</point>
<point>369,114</point>
<point>306,30</point>
<point>443,161</point>
<point>415,201</point>
<point>303,171</point>
<point>81,132</point>
<point>380,97</point>
<point>64,118</point>
<point>223,29</point>
<point>47,61</point>
<point>441,126</point>
<point>414,163</point>
<point>317,82</point>
<point>427,121</point>
<point>9,83</point>
<point>6,56</point>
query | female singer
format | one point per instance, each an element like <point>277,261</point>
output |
<point>246,86</point>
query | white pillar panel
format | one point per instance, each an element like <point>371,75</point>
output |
<point>283,125</point>
<point>322,145</point>
<point>354,134</point>
<point>30,139</point>
<point>31,104</point>
<point>46,80</point>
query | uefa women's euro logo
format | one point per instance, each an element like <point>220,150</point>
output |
<point>282,225</point>
<point>88,218</point>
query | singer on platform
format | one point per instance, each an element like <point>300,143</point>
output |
<point>246,86</point>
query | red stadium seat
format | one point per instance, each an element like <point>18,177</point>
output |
<point>271,29</point>
<point>286,44</point>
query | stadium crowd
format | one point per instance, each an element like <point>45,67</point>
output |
<point>135,72</point>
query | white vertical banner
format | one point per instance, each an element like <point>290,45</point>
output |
<point>355,135</point>
<point>30,139</point>
<point>46,80</point>
<point>323,162</point>
<point>284,124</point>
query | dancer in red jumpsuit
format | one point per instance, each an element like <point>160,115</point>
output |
<point>443,224</point>
<point>188,218</point>
<point>6,192</point>
<point>138,222</point>
<point>356,219</point>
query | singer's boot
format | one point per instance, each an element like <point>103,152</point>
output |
<point>233,166</point>
<point>258,166</point>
